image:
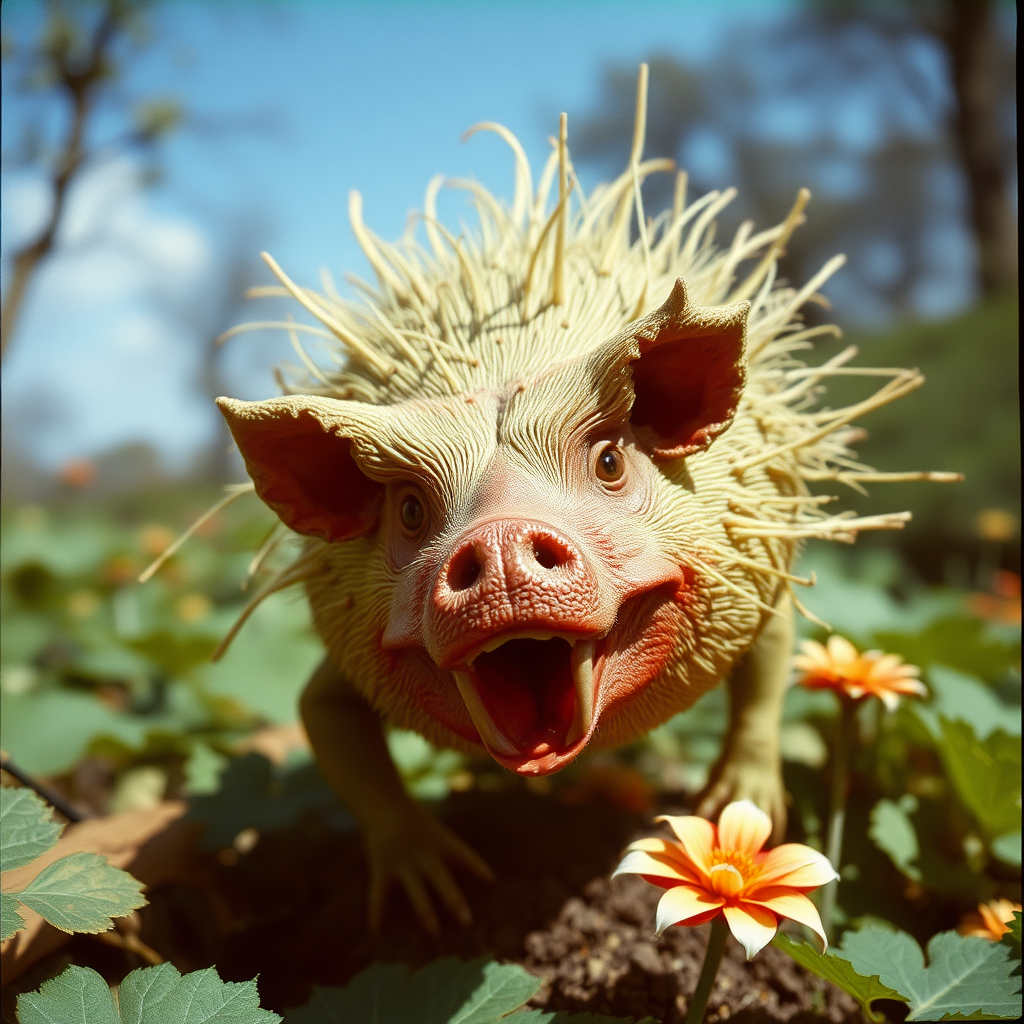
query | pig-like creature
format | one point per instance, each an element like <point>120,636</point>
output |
<point>551,493</point>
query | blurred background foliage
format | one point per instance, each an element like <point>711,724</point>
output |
<point>900,118</point>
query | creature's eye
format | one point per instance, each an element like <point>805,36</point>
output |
<point>412,514</point>
<point>610,465</point>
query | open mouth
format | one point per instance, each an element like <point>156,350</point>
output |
<point>531,696</point>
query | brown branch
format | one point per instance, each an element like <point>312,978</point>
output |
<point>78,85</point>
<point>50,795</point>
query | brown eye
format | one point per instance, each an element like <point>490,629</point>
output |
<point>412,513</point>
<point>611,464</point>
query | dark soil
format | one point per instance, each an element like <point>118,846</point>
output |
<point>293,911</point>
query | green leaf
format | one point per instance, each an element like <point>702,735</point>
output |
<point>965,974</point>
<point>564,1017</point>
<point>986,774</point>
<point>448,991</point>
<point>27,828</point>
<point>964,698</point>
<point>942,870</point>
<point>864,988</point>
<point>78,995</point>
<point>10,920</point>
<point>893,832</point>
<point>1011,941</point>
<point>203,769</point>
<point>82,893</point>
<point>141,993</point>
<point>159,995</point>
<point>174,654</point>
<point>153,995</point>
<point>1012,937</point>
<point>959,642</point>
<point>1007,848</point>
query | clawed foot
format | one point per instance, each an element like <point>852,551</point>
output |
<point>415,849</point>
<point>760,782</point>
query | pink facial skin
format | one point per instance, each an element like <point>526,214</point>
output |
<point>507,600</point>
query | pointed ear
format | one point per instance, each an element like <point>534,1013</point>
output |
<point>298,451</point>
<point>689,374</point>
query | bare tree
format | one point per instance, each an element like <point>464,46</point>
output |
<point>879,201</point>
<point>974,120</point>
<point>74,61</point>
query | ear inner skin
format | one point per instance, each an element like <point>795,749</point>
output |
<point>689,375</point>
<point>686,393</point>
<point>308,476</point>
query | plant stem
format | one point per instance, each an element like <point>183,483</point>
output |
<point>845,727</point>
<point>708,973</point>
<point>49,795</point>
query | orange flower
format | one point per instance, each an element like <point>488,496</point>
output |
<point>712,871</point>
<point>840,667</point>
<point>990,921</point>
<point>78,473</point>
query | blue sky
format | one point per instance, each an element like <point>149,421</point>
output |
<point>367,96</point>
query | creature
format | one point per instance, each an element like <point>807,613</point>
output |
<point>552,491</point>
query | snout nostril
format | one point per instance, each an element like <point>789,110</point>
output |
<point>464,569</point>
<point>548,553</point>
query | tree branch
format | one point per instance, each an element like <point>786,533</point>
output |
<point>79,85</point>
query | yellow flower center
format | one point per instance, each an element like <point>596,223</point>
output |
<point>730,872</point>
<point>726,880</point>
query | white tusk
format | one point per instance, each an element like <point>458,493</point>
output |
<point>481,719</point>
<point>582,662</point>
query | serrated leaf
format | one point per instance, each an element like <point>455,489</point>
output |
<point>140,994</point>
<point>564,1017</point>
<point>77,995</point>
<point>82,893</point>
<point>986,774</point>
<point>153,995</point>
<point>1012,939</point>
<point>27,828</point>
<point>10,920</point>
<point>865,988</point>
<point>893,832</point>
<point>159,995</point>
<point>448,991</point>
<point>965,974</point>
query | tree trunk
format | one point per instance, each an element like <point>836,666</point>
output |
<point>972,49</point>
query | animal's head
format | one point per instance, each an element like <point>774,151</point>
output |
<point>507,566</point>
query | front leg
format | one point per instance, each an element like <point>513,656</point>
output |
<point>750,767</point>
<point>403,841</point>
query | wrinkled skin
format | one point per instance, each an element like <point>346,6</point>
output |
<point>517,571</point>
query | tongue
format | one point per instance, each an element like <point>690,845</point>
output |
<point>527,687</point>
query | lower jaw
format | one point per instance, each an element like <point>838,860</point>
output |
<point>540,756</point>
<point>548,744</point>
<point>545,756</point>
<point>534,760</point>
<point>533,763</point>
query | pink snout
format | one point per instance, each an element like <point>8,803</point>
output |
<point>509,575</point>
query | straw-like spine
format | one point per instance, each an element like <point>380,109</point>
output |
<point>537,285</point>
